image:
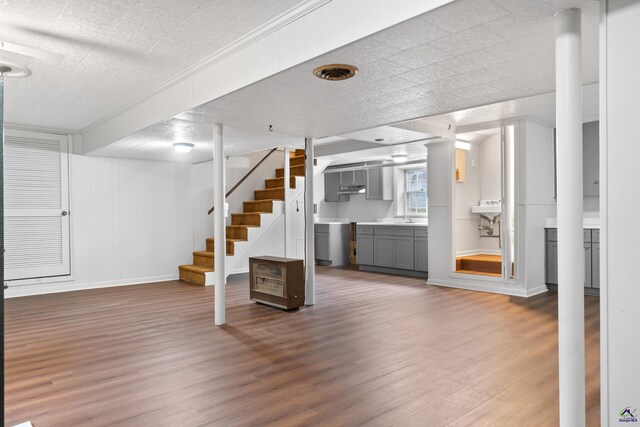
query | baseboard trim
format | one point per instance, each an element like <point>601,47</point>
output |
<point>494,288</point>
<point>58,287</point>
<point>394,271</point>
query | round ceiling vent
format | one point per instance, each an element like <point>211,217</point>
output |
<point>8,69</point>
<point>335,72</point>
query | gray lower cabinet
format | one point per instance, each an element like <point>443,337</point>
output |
<point>383,251</point>
<point>398,249</point>
<point>403,252</point>
<point>595,265</point>
<point>591,259</point>
<point>421,254</point>
<point>332,244</point>
<point>364,249</point>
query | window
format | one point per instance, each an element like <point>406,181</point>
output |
<point>415,190</point>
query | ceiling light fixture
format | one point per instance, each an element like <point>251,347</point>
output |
<point>462,145</point>
<point>183,147</point>
<point>335,72</point>
<point>9,69</point>
<point>379,139</point>
<point>399,158</point>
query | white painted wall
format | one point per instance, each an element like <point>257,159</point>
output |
<point>439,177</point>
<point>360,209</point>
<point>467,194</point>
<point>130,223</point>
<point>536,201</point>
<point>619,180</point>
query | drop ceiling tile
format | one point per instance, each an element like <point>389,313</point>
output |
<point>411,33</point>
<point>207,23</point>
<point>523,47</point>
<point>473,39</point>
<point>463,14</point>
<point>381,69</point>
<point>525,22</point>
<point>364,51</point>
<point>471,61</point>
<point>515,5</point>
<point>419,56</point>
<point>93,11</point>
<point>238,9</point>
<point>430,73</point>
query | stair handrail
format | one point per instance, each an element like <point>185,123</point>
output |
<point>245,177</point>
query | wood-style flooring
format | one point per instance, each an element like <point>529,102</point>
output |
<point>375,350</point>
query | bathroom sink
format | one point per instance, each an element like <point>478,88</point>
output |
<point>489,212</point>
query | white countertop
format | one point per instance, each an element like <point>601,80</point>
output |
<point>331,222</point>
<point>401,224</point>
<point>588,223</point>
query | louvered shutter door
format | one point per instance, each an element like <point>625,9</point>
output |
<point>36,195</point>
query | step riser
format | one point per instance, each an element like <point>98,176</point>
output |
<point>190,276</point>
<point>294,171</point>
<point>279,182</point>
<point>270,194</point>
<point>259,206</point>
<point>296,161</point>
<point>298,153</point>
<point>203,261</point>
<point>211,244</point>
<point>482,266</point>
<point>252,220</point>
<point>237,233</point>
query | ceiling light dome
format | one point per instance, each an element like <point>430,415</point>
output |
<point>183,147</point>
<point>399,158</point>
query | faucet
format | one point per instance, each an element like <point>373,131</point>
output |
<point>408,219</point>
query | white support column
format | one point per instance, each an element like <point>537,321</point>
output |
<point>219,226</point>
<point>570,218</point>
<point>309,232</point>
<point>287,174</point>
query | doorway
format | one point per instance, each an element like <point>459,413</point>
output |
<point>484,211</point>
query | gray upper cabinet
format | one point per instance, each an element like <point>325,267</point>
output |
<point>355,177</point>
<point>379,184</point>
<point>591,158</point>
<point>331,187</point>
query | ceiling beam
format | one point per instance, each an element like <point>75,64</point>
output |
<point>314,28</point>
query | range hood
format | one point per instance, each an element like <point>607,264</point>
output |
<point>351,189</point>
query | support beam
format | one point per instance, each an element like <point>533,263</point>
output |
<point>570,218</point>
<point>219,226</point>
<point>287,175</point>
<point>309,232</point>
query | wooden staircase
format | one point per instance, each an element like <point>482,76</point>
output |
<point>238,231</point>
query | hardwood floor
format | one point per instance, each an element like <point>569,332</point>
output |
<point>374,350</point>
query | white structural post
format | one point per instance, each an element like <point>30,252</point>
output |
<point>219,226</point>
<point>309,232</point>
<point>570,218</point>
<point>287,174</point>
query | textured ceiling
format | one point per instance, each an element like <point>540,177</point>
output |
<point>115,50</point>
<point>466,54</point>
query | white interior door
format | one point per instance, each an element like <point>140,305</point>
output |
<point>36,224</point>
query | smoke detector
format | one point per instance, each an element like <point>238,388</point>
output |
<point>335,72</point>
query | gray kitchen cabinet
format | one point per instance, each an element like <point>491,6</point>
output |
<point>552,263</point>
<point>595,265</point>
<point>383,251</point>
<point>591,158</point>
<point>403,247</point>
<point>591,260</point>
<point>587,265</point>
<point>421,254</point>
<point>364,249</point>
<point>331,188</point>
<point>354,177</point>
<point>322,246</point>
<point>379,184</point>
<point>332,244</point>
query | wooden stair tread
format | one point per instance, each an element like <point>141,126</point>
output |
<point>196,268</point>
<point>480,273</point>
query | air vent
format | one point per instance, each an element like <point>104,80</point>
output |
<point>335,72</point>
